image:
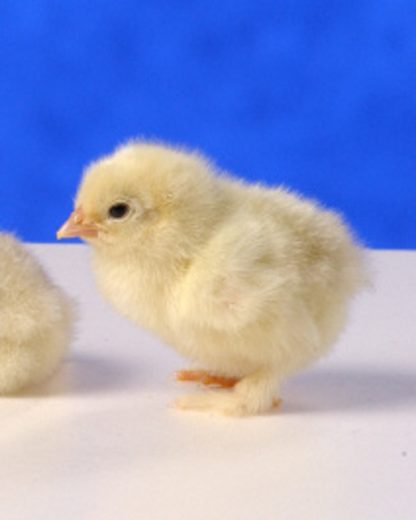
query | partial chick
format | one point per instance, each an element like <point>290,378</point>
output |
<point>251,283</point>
<point>35,319</point>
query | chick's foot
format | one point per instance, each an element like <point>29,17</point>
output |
<point>251,395</point>
<point>201,376</point>
<point>223,403</point>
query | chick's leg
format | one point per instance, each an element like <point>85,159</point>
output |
<point>206,378</point>
<point>252,395</point>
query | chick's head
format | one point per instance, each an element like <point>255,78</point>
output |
<point>142,194</point>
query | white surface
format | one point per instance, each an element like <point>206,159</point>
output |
<point>99,441</point>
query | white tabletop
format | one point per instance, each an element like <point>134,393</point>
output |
<point>100,441</point>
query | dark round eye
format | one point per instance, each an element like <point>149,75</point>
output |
<point>118,210</point>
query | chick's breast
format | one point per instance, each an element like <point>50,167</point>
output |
<point>140,295</point>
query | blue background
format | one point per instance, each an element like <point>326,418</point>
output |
<point>319,95</point>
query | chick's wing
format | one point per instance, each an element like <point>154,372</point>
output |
<point>236,278</point>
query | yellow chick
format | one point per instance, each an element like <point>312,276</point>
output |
<point>249,282</point>
<point>35,319</point>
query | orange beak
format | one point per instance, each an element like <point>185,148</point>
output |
<point>76,226</point>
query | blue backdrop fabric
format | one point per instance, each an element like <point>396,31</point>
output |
<point>317,95</point>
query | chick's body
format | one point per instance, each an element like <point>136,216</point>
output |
<point>35,319</point>
<point>249,282</point>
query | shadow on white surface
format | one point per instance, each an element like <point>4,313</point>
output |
<point>349,389</point>
<point>90,375</point>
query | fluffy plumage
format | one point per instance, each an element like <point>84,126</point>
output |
<point>35,319</point>
<point>249,282</point>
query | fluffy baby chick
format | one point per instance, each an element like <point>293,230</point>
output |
<point>35,319</point>
<point>251,283</point>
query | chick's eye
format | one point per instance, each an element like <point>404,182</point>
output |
<point>118,210</point>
